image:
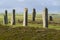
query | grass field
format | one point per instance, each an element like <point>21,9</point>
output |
<point>34,30</point>
<point>38,23</point>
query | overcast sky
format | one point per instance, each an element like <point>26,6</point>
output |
<point>19,5</point>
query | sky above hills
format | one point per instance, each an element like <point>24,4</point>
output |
<point>39,5</point>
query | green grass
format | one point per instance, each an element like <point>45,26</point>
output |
<point>38,23</point>
<point>28,33</point>
<point>34,30</point>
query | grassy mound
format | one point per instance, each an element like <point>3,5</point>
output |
<point>28,33</point>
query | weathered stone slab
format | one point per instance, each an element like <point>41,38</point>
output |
<point>25,21</point>
<point>33,14</point>
<point>50,18</point>
<point>45,18</point>
<point>13,18</point>
<point>5,18</point>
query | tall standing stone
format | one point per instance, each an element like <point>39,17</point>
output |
<point>45,18</point>
<point>5,18</point>
<point>25,21</point>
<point>13,18</point>
<point>50,18</point>
<point>33,14</point>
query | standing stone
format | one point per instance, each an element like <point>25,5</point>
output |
<point>33,14</point>
<point>45,18</point>
<point>13,18</point>
<point>4,21</point>
<point>5,18</point>
<point>50,18</point>
<point>25,17</point>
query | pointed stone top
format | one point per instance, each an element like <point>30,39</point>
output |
<point>46,8</point>
<point>34,9</point>
<point>13,9</point>
<point>5,10</point>
<point>26,9</point>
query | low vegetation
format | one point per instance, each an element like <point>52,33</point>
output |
<point>34,30</point>
<point>28,33</point>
